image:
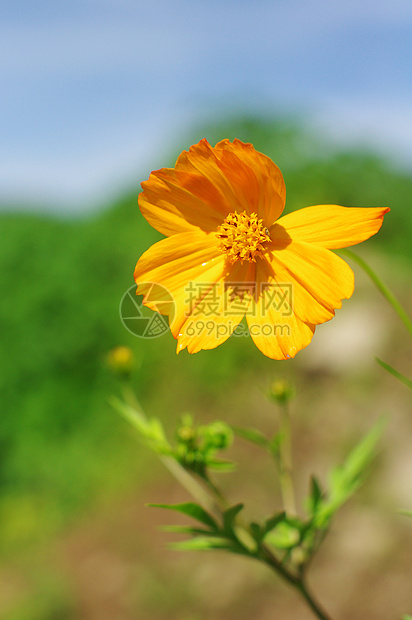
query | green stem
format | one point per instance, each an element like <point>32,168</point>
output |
<point>386,292</point>
<point>220,498</point>
<point>313,604</point>
<point>189,482</point>
<point>186,479</point>
<point>285,461</point>
<point>297,582</point>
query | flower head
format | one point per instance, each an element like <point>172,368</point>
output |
<point>228,253</point>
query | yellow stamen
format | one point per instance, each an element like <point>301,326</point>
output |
<point>242,237</point>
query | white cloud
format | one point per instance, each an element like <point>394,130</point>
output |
<point>382,125</point>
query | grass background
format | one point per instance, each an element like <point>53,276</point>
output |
<point>76,541</point>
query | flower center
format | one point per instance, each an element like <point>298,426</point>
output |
<point>242,237</point>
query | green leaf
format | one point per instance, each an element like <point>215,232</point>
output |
<point>185,529</point>
<point>230,515</point>
<point>346,479</point>
<point>259,531</point>
<point>283,536</point>
<point>256,531</point>
<point>405,513</point>
<point>221,465</point>
<point>386,292</point>
<point>202,544</point>
<point>272,522</point>
<point>406,617</point>
<point>192,510</point>
<point>150,429</point>
<point>315,497</point>
<point>252,435</point>
<point>276,443</point>
<point>395,373</point>
<point>245,539</point>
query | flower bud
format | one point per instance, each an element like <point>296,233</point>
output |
<point>186,434</point>
<point>281,391</point>
<point>121,361</point>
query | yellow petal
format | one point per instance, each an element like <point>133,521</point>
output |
<point>219,310</point>
<point>175,261</point>
<point>201,282</point>
<point>209,183</point>
<point>274,327</point>
<point>306,304</point>
<point>202,160</point>
<point>170,202</point>
<point>255,178</point>
<point>330,226</point>
<point>319,278</point>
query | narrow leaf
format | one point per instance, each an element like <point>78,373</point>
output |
<point>252,435</point>
<point>221,465</point>
<point>192,510</point>
<point>386,292</point>
<point>185,529</point>
<point>230,515</point>
<point>315,497</point>
<point>345,480</point>
<point>150,429</point>
<point>395,373</point>
<point>245,539</point>
<point>316,492</point>
<point>405,513</point>
<point>256,531</point>
<point>201,544</point>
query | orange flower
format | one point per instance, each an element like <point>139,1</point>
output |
<point>229,254</point>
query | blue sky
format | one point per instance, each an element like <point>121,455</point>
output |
<point>94,92</point>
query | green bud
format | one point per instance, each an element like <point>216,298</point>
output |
<point>217,435</point>
<point>281,391</point>
<point>186,434</point>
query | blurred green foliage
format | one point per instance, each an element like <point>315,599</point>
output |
<point>62,447</point>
